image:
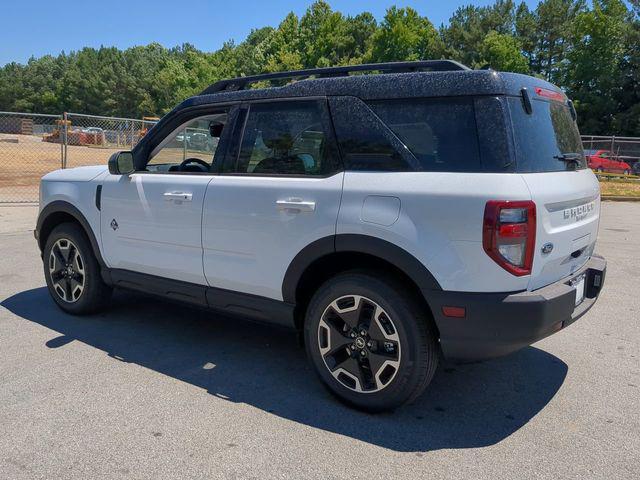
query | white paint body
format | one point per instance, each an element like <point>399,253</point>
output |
<point>249,240</point>
<point>233,233</point>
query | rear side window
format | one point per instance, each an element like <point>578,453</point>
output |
<point>542,137</point>
<point>441,133</point>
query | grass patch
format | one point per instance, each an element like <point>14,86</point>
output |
<point>625,189</point>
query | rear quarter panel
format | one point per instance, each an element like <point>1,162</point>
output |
<point>439,221</point>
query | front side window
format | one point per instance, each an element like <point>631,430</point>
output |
<point>284,138</point>
<point>191,148</point>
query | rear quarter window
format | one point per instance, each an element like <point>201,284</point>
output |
<point>366,143</point>
<point>441,133</point>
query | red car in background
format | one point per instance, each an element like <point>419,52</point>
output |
<point>605,161</point>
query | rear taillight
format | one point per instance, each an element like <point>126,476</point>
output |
<point>509,234</point>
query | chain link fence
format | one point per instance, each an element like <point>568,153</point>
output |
<point>92,139</point>
<point>24,154</point>
<point>32,145</point>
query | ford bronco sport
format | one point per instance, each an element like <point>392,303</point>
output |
<point>421,211</point>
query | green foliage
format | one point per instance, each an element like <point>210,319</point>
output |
<point>504,52</point>
<point>591,49</point>
<point>600,41</point>
<point>465,35</point>
<point>405,35</point>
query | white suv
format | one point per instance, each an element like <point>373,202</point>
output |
<point>426,210</point>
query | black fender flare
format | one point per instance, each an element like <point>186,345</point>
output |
<point>60,206</point>
<point>356,243</point>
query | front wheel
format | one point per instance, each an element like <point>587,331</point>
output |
<point>371,343</point>
<point>72,272</point>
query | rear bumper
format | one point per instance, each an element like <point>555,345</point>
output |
<point>500,323</point>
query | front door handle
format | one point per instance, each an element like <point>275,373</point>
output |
<point>178,196</point>
<point>295,205</point>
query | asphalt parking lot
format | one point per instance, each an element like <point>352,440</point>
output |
<point>157,390</point>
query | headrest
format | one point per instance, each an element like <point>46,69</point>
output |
<point>275,137</point>
<point>215,129</point>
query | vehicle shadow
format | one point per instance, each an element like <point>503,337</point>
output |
<point>466,406</point>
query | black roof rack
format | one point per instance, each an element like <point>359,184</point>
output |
<point>241,83</point>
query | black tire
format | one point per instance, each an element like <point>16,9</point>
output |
<point>417,351</point>
<point>85,272</point>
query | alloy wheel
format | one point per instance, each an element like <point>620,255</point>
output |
<point>359,344</point>
<point>66,269</point>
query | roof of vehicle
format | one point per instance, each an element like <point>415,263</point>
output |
<point>398,83</point>
<point>426,78</point>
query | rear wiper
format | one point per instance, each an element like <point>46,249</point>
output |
<point>569,157</point>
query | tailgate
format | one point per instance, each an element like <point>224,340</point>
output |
<point>568,214</point>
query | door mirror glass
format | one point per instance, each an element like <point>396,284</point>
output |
<point>121,163</point>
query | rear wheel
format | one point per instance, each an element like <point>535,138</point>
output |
<point>370,342</point>
<point>72,271</point>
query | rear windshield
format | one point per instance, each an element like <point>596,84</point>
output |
<point>546,140</point>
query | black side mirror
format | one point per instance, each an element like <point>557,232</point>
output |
<point>121,163</point>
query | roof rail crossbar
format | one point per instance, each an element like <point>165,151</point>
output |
<point>241,83</point>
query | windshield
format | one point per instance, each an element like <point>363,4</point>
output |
<point>547,140</point>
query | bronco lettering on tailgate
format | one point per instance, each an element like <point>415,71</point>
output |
<point>580,211</point>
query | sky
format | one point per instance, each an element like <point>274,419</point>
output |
<point>39,27</point>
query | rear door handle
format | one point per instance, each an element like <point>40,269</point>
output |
<point>295,205</point>
<point>178,196</point>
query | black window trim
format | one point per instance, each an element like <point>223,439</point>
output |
<point>234,147</point>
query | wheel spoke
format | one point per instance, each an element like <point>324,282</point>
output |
<point>74,283</point>
<point>57,252</point>
<point>71,253</point>
<point>57,275</point>
<point>375,362</point>
<point>359,315</point>
<point>382,367</point>
<point>334,343</point>
<point>356,369</point>
<point>68,291</point>
<point>351,317</point>
<point>338,340</point>
<point>77,262</point>
<point>376,332</point>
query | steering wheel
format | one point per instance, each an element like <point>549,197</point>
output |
<point>201,165</point>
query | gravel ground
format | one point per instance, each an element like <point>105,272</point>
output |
<point>157,390</point>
